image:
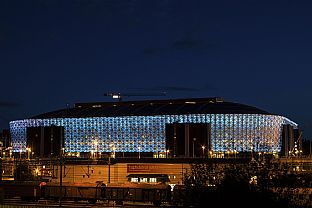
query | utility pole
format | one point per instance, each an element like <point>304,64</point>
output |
<point>310,149</point>
<point>61,170</point>
<point>194,139</point>
<point>61,178</point>
<point>109,162</point>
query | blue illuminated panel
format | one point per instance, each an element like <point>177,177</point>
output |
<point>229,132</point>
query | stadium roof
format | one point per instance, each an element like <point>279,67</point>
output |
<point>153,107</point>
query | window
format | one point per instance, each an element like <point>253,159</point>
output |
<point>152,180</point>
<point>143,180</point>
<point>134,180</point>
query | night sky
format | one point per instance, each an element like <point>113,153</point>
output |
<point>54,53</point>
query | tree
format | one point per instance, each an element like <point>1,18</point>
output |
<point>229,186</point>
<point>22,172</point>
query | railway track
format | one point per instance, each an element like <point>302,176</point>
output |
<point>18,203</point>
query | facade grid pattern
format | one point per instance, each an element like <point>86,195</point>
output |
<point>229,132</point>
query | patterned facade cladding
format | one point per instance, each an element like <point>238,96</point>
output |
<point>229,132</point>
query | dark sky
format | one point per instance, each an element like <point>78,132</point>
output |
<point>253,52</point>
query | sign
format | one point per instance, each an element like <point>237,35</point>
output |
<point>142,168</point>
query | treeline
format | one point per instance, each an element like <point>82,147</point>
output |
<point>249,185</point>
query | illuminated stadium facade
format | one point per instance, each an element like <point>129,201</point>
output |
<point>141,126</point>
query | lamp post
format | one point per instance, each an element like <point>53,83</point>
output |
<point>113,148</point>
<point>109,162</point>
<point>28,149</point>
<point>61,173</point>
<point>310,155</point>
<point>10,152</point>
<point>114,152</point>
<point>96,149</point>
<point>203,148</point>
<point>210,153</point>
<point>194,139</point>
<point>228,154</point>
<point>167,153</point>
<point>139,148</point>
<point>251,148</point>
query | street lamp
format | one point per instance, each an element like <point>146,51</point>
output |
<point>210,153</point>
<point>114,152</point>
<point>96,148</point>
<point>228,153</point>
<point>251,148</point>
<point>203,148</point>
<point>10,152</point>
<point>111,155</point>
<point>112,146</point>
<point>194,139</point>
<point>37,171</point>
<point>139,148</point>
<point>28,149</point>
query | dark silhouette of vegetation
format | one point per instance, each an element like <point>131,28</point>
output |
<point>232,186</point>
<point>199,185</point>
<point>235,190</point>
<point>22,172</point>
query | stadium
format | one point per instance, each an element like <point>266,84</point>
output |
<point>176,127</point>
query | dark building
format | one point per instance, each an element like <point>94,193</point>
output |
<point>45,141</point>
<point>6,138</point>
<point>291,140</point>
<point>188,139</point>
